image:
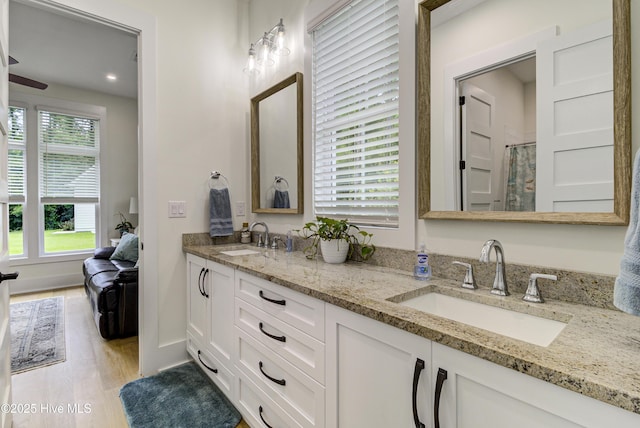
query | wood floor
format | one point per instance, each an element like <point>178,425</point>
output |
<point>88,381</point>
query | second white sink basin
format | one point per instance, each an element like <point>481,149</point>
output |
<point>529,328</point>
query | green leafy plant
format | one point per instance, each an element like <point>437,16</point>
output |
<point>327,229</point>
<point>124,225</point>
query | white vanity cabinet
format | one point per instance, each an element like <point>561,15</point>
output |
<point>279,339</point>
<point>480,394</point>
<point>209,314</point>
<point>377,375</point>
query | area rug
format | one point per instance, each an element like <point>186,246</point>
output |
<point>179,397</point>
<point>37,334</point>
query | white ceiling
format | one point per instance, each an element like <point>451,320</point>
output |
<point>69,50</point>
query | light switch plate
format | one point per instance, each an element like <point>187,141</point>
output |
<point>240,209</point>
<point>177,209</point>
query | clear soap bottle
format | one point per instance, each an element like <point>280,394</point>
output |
<point>422,270</point>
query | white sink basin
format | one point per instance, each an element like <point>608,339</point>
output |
<point>242,252</point>
<point>529,328</point>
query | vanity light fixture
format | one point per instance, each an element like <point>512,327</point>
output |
<point>261,52</point>
<point>112,77</point>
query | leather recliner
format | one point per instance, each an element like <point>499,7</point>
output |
<point>112,288</point>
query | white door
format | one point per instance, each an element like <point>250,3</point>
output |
<point>478,140</point>
<point>575,121</point>
<point>5,334</point>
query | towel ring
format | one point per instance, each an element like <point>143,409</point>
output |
<point>278,182</point>
<point>214,179</point>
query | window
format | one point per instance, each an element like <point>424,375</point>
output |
<point>54,181</point>
<point>16,178</point>
<point>355,84</point>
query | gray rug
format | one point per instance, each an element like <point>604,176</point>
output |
<point>179,397</point>
<point>37,334</point>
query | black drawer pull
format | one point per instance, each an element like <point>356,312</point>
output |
<point>262,417</point>
<point>274,380</point>
<point>205,364</point>
<point>200,283</point>
<point>277,302</point>
<point>442,376</point>
<point>416,378</point>
<point>204,281</point>
<point>278,338</point>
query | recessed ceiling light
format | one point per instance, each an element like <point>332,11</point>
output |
<point>112,77</point>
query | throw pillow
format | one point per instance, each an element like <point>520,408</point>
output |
<point>127,248</point>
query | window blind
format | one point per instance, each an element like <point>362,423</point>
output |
<point>69,164</point>
<point>17,150</point>
<point>355,88</point>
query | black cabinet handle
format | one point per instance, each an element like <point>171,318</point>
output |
<point>417,371</point>
<point>442,376</point>
<point>200,283</point>
<point>205,364</point>
<point>277,302</point>
<point>204,281</point>
<point>282,382</point>
<point>262,417</point>
<point>278,338</point>
<point>5,277</point>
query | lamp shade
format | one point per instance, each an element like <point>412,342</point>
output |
<point>133,205</point>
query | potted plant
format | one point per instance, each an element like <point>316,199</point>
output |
<point>124,225</point>
<point>337,240</point>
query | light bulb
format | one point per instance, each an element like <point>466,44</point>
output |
<point>251,62</point>
<point>281,49</point>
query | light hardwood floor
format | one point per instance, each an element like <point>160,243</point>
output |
<point>89,380</point>
<point>92,375</point>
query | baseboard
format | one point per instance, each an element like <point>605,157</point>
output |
<point>30,285</point>
<point>165,357</point>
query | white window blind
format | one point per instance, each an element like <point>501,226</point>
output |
<point>17,150</point>
<point>355,113</point>
<point>69,158</point>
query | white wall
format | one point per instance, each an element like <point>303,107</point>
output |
<point>119,157</point>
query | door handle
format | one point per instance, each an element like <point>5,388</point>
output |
<point>442,376</point>
<point>416,377</point>
<point>7,276</point>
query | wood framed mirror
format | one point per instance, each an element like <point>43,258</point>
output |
<point>276,148</point>
<point>431,142</point>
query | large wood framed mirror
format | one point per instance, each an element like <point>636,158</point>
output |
<point>577,160</point>
<point>276,148</point>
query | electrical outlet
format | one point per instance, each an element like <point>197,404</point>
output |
<point>177,209</point>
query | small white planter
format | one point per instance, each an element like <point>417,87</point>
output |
<point>334,250</point>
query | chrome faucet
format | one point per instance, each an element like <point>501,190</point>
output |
<point>499,283</point>
<point>261,242</point>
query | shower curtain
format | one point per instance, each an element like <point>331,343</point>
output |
<point>520,171</point>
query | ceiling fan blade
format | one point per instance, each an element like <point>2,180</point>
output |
<point>26,81</point>
<point>12,60</point>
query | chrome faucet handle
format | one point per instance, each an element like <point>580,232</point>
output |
<point>533,291</point>
<point>469,281</point>
<point>274,242</point>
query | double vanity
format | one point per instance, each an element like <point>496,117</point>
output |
<point>301,343</point>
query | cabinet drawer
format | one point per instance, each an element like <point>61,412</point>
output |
<point>300,349</point>
<point>299,395</point>
<point>258,409</point>
<point>302,312</point>
<point>222,377</point>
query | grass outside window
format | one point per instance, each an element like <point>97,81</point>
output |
<point>55,241</point>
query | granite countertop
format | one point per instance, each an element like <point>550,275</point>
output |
<point>597,353</point>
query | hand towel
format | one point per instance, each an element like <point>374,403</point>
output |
<point>220,221</point>
<point>281,199</point>
<point>626,291</point>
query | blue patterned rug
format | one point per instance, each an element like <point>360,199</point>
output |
<point>179,397</point>
<point>37,334</point>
